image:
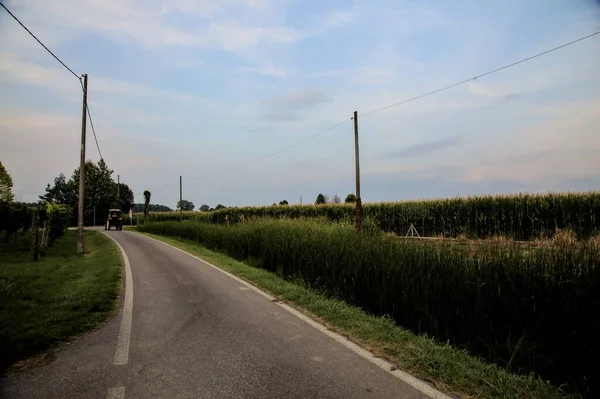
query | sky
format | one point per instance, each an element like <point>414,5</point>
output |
<point>203,89</point>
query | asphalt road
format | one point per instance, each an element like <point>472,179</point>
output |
<point>198,333</point>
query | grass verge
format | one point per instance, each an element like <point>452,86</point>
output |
<point>55,299</point>
<point>450,369</point>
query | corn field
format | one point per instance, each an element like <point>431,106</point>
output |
<point>518,217</point>
<point>526,308</point>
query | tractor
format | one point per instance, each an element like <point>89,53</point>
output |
<point>114,219</point>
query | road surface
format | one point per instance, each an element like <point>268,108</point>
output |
<point>196,332</point>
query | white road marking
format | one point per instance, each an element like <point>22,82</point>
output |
<point>116,393</point>
<point>122,351</point>
<point>381,363</point>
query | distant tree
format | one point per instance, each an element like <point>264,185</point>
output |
<point>205,208</point>
<point>320,199</point>
<point>125,200</point>
<point>185,205</point>
<point>147,196</point>
<point>350,199</point>
<point>284,202</point>
<point>6,185</point>
<point>274,204</point>
<point>220,207</point>
<point>152,208</point>
<point>336,199</point>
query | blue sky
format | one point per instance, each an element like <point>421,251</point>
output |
<point>193,88</point>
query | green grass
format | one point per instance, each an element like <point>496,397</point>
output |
<point>57,298</point>
<point>453,370</point>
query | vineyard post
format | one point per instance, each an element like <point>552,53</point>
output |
<point>359,215</point>
<point>80,247</point>
<point>35,236</point>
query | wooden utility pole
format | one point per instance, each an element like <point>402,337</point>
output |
<point>359,215</point>
<point>80,247</point>
<point>180,197</point>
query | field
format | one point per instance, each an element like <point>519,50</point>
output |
<point>520,217</point>
<point>528,307</point>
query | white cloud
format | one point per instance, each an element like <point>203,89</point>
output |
<point>13,67</point>
<point>374,75</point>
<point>270,71</point>
<point>26,128</point>
<point>556,149</point>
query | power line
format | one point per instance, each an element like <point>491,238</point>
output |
<point>480,76</point>
<point>406,101</point>
<point>94,131</point>
<point>63,64</point>
<point>38,40</point>
<point>274,152</point>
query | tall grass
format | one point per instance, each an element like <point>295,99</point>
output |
<point>520,217</point>
<point>530,309</point>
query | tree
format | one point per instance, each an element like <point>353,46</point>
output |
<point>350,199</point>
<point>336,199</point>
<point>101,192</point>
<point>320,199</point>
<point>125,199</point>
<point>147,196</point>
<point>205,208</point>
<point>220,207</point>
<point>63,192</point>
<point>6,185</point>
<point>284,202</point>
<point>185,205</point>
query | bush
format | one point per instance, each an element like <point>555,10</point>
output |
<point>57,220</point>
<point>15,217</point>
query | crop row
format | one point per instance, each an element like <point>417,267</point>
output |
<point>519,217</point>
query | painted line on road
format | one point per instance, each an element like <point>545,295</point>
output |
<point>381,363</point>
<point>122,351</point>
<point>116,393</point>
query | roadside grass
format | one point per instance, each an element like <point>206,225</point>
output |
<point>450,369</point>
<point>51,301</point>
